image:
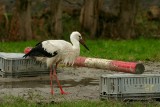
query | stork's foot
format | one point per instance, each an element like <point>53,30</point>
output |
<point>52,92</point>
<point>63,92</point>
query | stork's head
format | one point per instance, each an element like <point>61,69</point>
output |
<point>76,35</point>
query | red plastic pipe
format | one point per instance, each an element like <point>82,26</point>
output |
<point>121,66</point>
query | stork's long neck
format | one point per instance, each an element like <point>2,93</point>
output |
<point>75,43</point>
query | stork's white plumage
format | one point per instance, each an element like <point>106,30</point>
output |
<point>54,51</point>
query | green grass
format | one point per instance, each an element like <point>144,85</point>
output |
<point>15,46</point>
<point>129,50</point>
<point>21,102</point>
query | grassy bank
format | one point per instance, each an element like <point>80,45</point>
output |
<point>128,50</point>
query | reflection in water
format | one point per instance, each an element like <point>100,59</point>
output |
<point>46,83</point>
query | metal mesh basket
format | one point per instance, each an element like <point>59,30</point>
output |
<point>12,64</point>
<point>130,86</point>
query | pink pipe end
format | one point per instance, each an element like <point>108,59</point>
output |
<point>128,67</point>
<point>27,49</point>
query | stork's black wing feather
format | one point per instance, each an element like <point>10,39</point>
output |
<point>39,43</point>
<point>39,51</point>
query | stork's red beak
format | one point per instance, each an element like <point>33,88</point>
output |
<point>83,43</point>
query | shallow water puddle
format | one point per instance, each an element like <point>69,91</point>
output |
<point>46,83</point>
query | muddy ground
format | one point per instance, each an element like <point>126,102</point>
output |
<point>82,84</point>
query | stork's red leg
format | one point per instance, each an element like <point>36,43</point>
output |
<point>60,87</point>
<point>51,80</point>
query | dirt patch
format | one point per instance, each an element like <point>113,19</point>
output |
<point>81,83</point>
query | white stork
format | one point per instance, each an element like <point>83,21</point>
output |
<point>54,51</point>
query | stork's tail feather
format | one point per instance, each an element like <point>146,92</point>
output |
<point>26,55</point>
